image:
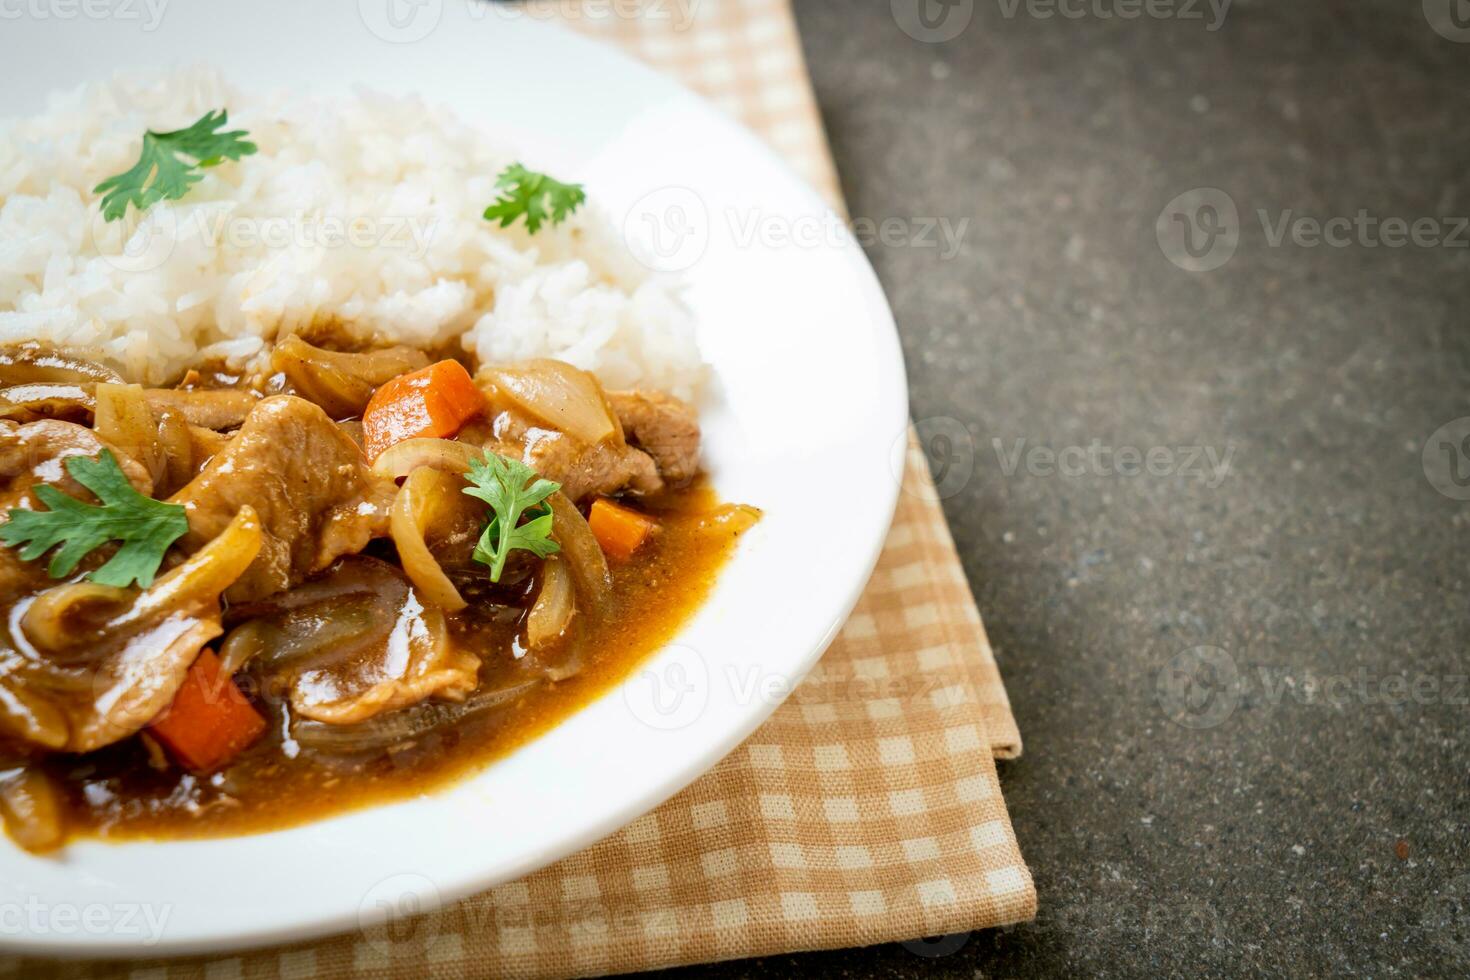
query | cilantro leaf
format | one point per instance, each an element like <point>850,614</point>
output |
<point>146,527</point>
<point>161,174</point>
<point>525,192</point>
<point>513,490</point>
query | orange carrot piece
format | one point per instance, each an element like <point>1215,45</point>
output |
<point>618,530</point>
<point>209,722</point>
<point>434,401</point>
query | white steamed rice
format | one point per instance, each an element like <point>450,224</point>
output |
<point>363,210</point>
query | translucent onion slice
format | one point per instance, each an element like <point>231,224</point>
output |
<point>32,811</point>
<point>554,604</point>
<point>125,420</point>
<point>428,498</point>
<point>397,727</point>
<point>584,556</point>
<point>341,383</point>
<point>51,620</point>
<point>401,459</point>
<point>558,394</point>
<point>58,401</point>
<point>32,363</point>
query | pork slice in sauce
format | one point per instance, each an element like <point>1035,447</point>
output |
<point>662,426</point>
<point>315,495</point>
<point>608,467</point>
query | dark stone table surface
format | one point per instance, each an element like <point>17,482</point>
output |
<point>1217,515</point>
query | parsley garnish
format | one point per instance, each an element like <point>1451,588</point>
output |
<point>513,490</point>
<point>146,527</point>
<point>160,174</point>
<point>525,192</point>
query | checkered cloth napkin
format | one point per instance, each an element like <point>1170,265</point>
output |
<point>866,810</point>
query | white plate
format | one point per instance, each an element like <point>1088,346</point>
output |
<point>808,425</point>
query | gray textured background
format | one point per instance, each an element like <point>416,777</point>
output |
<point>1276,805</point>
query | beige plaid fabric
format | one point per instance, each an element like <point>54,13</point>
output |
<point>866,810</point>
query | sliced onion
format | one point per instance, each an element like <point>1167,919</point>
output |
<point>243,644</point>
<point>558,394</point>
<point>585,559</point>
<point>125,420</point>
<point>402,458</point>
<point>50,621</point>
<point>33,363</point>
<point>27,715</point>
<point>554,604</point>
<point>206,573</point>
<point>30,804</point>
<point>342,384</point>
<point>376,582</point>
<point>25,402</point>
<point>353,623</point>
<point>428,498</point>
<point>397,727</point>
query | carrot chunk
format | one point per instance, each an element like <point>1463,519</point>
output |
<point>209,722</point>
<point>619,530</point>
<point>433,401</point>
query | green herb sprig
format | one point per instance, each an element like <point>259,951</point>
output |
<point>513,490</point>
<point>535,196</point>
<point>163,170</point>
<point>146,527</point>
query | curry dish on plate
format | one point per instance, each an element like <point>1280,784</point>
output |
<point>340,452</point>
<point>247,600</point>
